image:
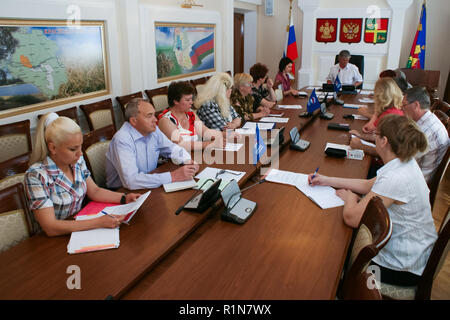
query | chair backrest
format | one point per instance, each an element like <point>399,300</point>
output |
<point>424,78</point>
<point>95,146</point>
<point>15,224</point>
<point>433,184</point>
<point>374,232</point>
<point>357,60</point>
<point>99,114</point>
<point>15,139</point>
<point>123,100</point>
<point>158,98</point>
<point>12,171</point>
<point>69,113</point>
<point>442,106</point>
<point>435,261</point>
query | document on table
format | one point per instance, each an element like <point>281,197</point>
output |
<point>324,196</point>
<point>232,147</point>
<point>276,120</point>
<point>366,92</point>
<point>128,209</point>
<point>261,125</point>
<point>353,106</point>
<point>366,100</point>
<point>179,185</point>
<point>276,115</point>
<point>290,106</point>
<point>360,117</point>
<point>93,240</point>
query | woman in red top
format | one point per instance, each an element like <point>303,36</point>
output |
<point>388,100</point>
<point>282,77</point>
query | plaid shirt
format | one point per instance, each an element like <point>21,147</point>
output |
<point>210,114</point>
<point>47,186</point>
<point>438,143</point>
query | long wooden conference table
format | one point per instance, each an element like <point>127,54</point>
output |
<point>288,249</point>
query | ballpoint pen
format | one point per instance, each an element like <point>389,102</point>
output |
<point>314,173</point>
<point>105,213</point>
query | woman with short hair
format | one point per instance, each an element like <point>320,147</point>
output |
<point>213,103</point>
<point>262,89</point>
<point>58,179</point>
<point>181,125</point>
<point>282,77</point>
<point>402,187</point>
<point>242,98</point>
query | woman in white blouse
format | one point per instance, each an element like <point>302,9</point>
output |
<point>401,186</point>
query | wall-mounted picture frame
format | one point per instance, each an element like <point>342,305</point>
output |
<point>268,8</point>
<point>46,63</point>
<point>184,50</point>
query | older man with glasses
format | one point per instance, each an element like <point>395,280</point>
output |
<point>416,104</point>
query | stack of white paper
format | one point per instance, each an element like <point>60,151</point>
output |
<point>179,185</point>
<point>271,119</point>
<point>93,240</point>
<point>261,125</point>
<point>289,106</point>
<point>324,196</point>
<point>231,147</point>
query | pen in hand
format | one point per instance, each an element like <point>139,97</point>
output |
<point>314,174</point>
<point>105,213</point>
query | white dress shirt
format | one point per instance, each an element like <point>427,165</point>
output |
<point>438,143</point>
<point>348,76</point>
<point>131,156</point>
<point>413,230</point>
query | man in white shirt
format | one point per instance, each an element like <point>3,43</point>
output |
<point>135,148</point>
<point>348,73</point>
<point>416,104</point>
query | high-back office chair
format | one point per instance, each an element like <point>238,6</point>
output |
<point>433,184</point>
<point>158,98</point>
<point>437,257</point>
<point>357,60</point>
<point>69,113</point>
<point>123,100</point>
<point>95,146</point>
<point>15,139</point>
<point>99,114</point>
<point>374,232</point>
<point>15,224</point>
<point>12,171</point>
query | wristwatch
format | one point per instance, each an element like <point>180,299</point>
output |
<point>123,200</point>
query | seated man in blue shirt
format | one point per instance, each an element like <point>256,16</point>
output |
<point>135,148</point>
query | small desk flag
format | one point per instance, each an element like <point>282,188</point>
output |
<point>313,102</point>
<point>259,148</point>
<point>337,84</point>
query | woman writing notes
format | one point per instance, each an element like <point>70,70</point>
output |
<point>402,187</point>
<point>58,180</point>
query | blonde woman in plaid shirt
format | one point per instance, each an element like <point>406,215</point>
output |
<point>58,180</point>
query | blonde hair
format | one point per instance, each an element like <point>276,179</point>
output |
<point>241,79</point>
<point>57,132</point>
<point>216,89</point>
<point>404,136</point>
<point>387,94</point>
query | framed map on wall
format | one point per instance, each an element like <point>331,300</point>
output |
<point>48,63</point>
<point>184,50</point>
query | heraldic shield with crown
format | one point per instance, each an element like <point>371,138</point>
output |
<point>326,30</point>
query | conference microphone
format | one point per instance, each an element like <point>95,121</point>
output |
<point>258,182</point>
<point>193,196</point>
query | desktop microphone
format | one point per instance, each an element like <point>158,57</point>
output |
<point>193,196</point>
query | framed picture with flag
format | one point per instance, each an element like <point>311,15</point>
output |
<point>184,50</point>
<point>376,30</point>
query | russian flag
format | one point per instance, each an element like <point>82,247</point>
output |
<point>291,45</point>
<point>201,49</point>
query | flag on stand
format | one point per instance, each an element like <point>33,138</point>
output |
<point>291,45</point>
<point>313,102</point>
<point>259,147</point>
<point>416,58</point>
<point>337,84</point>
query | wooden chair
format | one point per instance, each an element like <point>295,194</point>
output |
<point>12,171</point>
<point>441,106</point>
<point>69,113</point>
<point>99,114</point>
<point>123,100</point>
<point>433,184</point>
<point>424,78</point>
<point>15,224</point>
<point>373,233</point>
<point>158,98</point>
<point>95,146</point>
<point>437,257</point>
<point>15,139</point>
